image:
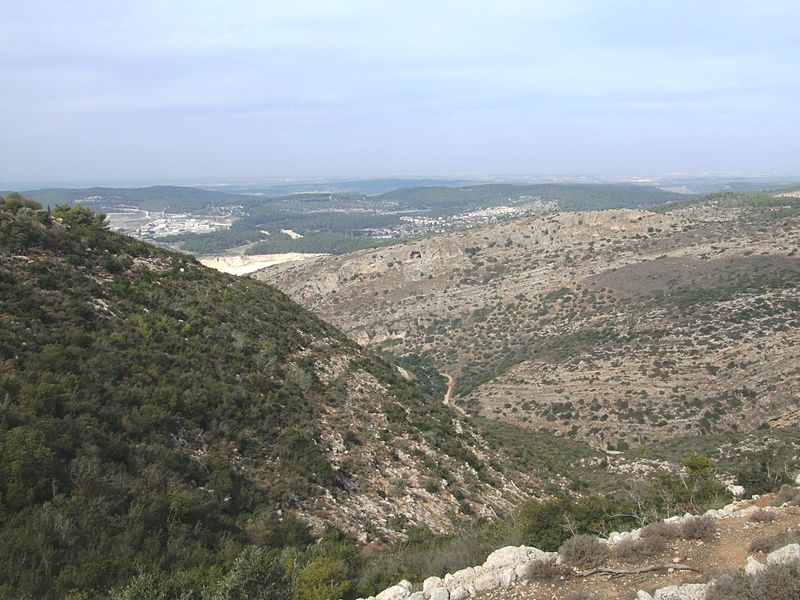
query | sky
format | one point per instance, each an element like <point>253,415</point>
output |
<point>200,90</point>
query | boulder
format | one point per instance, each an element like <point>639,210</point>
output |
<point>439,593</point>
<point>459,593</point>
<point>508,556</point>
<point>430,583</point>
<point>396,592</point>
<point>666,593</point>
<point>788,554</point>
<point>462,575</point>
<point>417,596</point>
<point>688,591</point>
<point>736,490</point>
<point>486,581</point>
<point>507,577</point>
<point>753,567</point>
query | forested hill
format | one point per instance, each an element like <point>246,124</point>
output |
<point>160,417</point>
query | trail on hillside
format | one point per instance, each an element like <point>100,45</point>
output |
<point>448,395</point>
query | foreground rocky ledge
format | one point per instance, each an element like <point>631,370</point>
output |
<point>509,566</point>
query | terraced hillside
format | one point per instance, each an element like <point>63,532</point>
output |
<point>617,326</point>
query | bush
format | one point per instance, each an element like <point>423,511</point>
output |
<point>763,474</point>
<point>775,582</point>
<point>257,574</point>
<point>661,530</point>
<point>698,528</point>
<point>787,495</point>
<point>772,542</point>
<point>584,551</point>
<point>763,516</point>
<point>548,569</point>
<point>731,587</point>
<point>542,524</point>
<point>634,551</point>
<point>778,582</point>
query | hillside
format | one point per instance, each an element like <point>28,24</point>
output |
<point>160,416</point>
<point>616,327</point>
<point>584,196</point>
<point>167,198</point>
<point>747,550</point>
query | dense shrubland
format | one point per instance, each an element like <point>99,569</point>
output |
<point>157,417</point>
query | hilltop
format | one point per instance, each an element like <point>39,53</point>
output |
<point>617,327</point>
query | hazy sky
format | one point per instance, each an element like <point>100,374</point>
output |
<point>197,89</point>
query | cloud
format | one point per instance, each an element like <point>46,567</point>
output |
<point>506,76</point>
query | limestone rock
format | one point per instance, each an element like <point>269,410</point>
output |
<point>430,583</point>
<point>736,490</point>
<point>459,593</point>
<point>489,580</point>
<point>439,594</point>
<point>688,591</point>
<point>788,554</point>
<point>396,592</point>
<point>753,567</point>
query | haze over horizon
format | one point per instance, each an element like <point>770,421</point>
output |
<point>186,91</point>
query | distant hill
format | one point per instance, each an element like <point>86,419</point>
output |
<point>569,196</point>
<point>158,415</point>
<point>156,198</point>
<point>355,186</point>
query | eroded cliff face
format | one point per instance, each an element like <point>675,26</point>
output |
<point>612,326</point>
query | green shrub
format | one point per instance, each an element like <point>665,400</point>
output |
<point>257,574</point>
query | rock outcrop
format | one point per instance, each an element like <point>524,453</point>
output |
<point>506,566</point>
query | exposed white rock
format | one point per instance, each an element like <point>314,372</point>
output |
<point>753,567</point>
<point>431,583</point>
<point>788,554</point>
<point>505,566</point>
<point>506,556</point>
<point>396,592</point>
<point>736,490</point>
<point>615,537</point>
<point>459,593</point>
<point>462,575</point>
<point>688,591</point>
<point>489,580</point>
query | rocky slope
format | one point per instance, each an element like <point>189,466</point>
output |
<point>614,326</point>
<point>749,535</point>
<point>157,413</point>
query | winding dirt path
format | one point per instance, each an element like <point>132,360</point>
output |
<point>448,396</point>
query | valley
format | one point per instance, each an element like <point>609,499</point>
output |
<point>615,327</point>
<point>210,427</point>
